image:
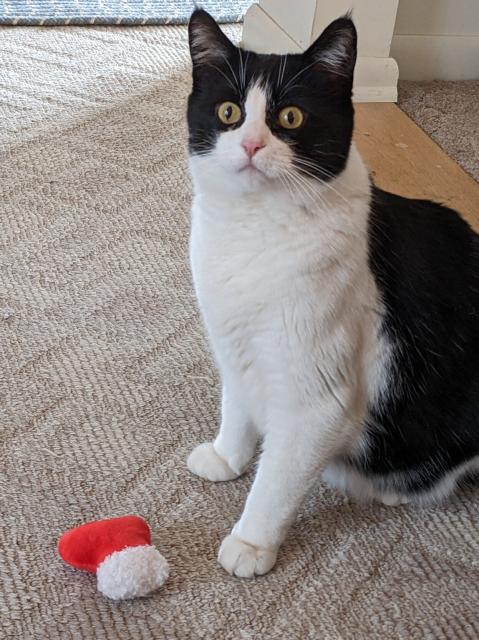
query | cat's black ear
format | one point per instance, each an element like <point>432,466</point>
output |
<point>335,50</point>
<point>208,44</point>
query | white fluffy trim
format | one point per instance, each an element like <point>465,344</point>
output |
<point>132,572</point>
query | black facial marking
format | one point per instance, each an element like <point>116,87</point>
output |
<point>318,82</point>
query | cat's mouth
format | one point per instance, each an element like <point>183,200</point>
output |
<point>250,169</point>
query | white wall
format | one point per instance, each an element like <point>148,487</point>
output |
<point>437,39</point>
<point>287,26</point>
<point>374,20</point>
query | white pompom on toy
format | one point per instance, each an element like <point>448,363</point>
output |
<point>132,573</point>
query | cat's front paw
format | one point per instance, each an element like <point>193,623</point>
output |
<point>245,560</point>
<point>205,462</point>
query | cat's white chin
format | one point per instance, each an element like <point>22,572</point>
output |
<point>229,178</point>
<point>250,170</point>
<point>250,178</point>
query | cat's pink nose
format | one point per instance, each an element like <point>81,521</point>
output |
<point>252,146</point>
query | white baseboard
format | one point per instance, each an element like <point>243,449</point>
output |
<point>375,79</point>
<point>437,57</point>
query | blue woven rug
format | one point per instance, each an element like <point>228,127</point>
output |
<point>124,12</point>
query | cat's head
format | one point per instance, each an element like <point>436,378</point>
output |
<point>257,119</point>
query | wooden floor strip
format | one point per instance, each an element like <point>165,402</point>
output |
<point>403,159</point>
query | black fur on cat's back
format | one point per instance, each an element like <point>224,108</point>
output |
<point>425,260</point>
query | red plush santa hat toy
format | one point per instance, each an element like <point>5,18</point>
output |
<point>119,551</point>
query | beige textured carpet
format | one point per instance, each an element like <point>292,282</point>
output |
<point>106,383</point>
<point>449,113</point>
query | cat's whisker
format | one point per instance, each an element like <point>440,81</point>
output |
<point>324,143</point>
<point>317,168</point>
<point>241,68</point>
<point>202,152</point>
<point>279,71</point>
<point>293,188</point>
<point>338,177</point>
<point>313,190</point>
<point>296,86</point>
<point>288,178</point>
<point>285,175</point>
<point>224,76</point>
<point>301,164</point>
<point>331,154</point>
<point>282,69</point>
<point>329,186</point>
<point>310,192</point>
<point>244,70</point>
<point>316,189</point>
<point>284,182</point>
<point>296,75</point>
<point>305,188</point>
<point>235,77</point>
<point>315,165</point>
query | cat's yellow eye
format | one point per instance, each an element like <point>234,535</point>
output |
<point>229,113</point>
<point>290,118</point>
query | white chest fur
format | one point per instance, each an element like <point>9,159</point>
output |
<point>288,298</point>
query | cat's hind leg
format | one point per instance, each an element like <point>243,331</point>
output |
<point>360,487</point>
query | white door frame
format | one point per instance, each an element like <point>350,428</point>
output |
<point>283,26</point>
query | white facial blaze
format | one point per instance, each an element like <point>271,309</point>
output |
<point>254,126</point>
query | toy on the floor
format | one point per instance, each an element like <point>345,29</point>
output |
<point>119,551</point>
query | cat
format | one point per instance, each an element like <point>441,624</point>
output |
<point>343,319</point>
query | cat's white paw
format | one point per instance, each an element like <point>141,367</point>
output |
<point>245,560</point>
<point>206,463</point>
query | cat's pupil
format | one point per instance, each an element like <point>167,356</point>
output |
<point>290,117</point>
<point>228,112</point>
